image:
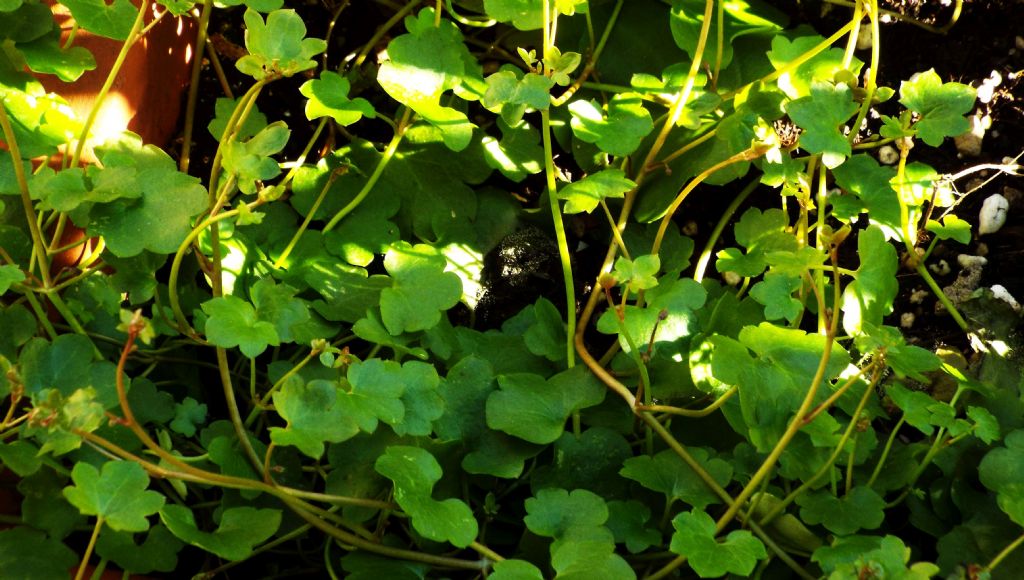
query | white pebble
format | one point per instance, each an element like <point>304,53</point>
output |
<point>940,268</point>
<point>918,296</point>
<point>732,278</point>
<point>1003,294</point>
<point>993,214</point>
<point>969,143</point>
<point>988,87</point>
<point>888,155</point>
<point>907,319</point>
<point>969,261</point>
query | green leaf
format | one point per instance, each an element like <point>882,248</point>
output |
<point>46,55</point>
<point>366,566</point>
<point>668,316</point>
<point>10,274</point>
<point>28,554</point>
<point>464,393</point>
<point>762,234</point>
<point>638,274</point>
<point>239,530</point>
<point>1004,466</point>
<point>250,162</point>
<point>628,522</point>
<point>511,93</point>
<point>118,494</point>
<point>772,384</point>
<point>414,472</point>
<point>64,364</point>
<point>590,460</point>
<point>917,408</point>
<point>160,219</point>
<point>535,409</point>
<point>739,19</point>
<point>518,153</point>
<point>420,291</point>
<point>523,14</point>
<point>113,20</point>
<point>188,414</point>
<point>277,46</point>
<point>694,538</point>
<point>552,512</point>
<point>588,553</point>
<point>820,115</point>
<point>423,404</point>
<point>870,297</point>
<point>157,553</point>
<point>546,334</point>
<point>821,67</point>
<point>277,304</point>
<point>232,322</point>
<point>21,457</point>
<point>986,427</point>
<point>560,65</point>
<point>884,557</point>
<point>951,228</point>
<point>328,97</point>
<point>223,109</point>
<point>315,414</point>
<point>776,293</point>
<point>585,194</point>
<point>869,182</point>
<point>942,106</point>
<point>422,66</point>
<point>666,473</point>
<point>515,570</point>
<point>860,509</point>
<point>620,131</point>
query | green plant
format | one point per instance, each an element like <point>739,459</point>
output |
<point>257,359</point>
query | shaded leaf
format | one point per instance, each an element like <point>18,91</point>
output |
<point>414,472</point>
<point>694,538</point>
<point>239,531</point>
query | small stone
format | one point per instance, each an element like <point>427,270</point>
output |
<point>940,268</point>
<point>968,261</point>
<point>888,155</point>
<point>907,319</point>
<point>1003,294</point>
<point>732,278</point>
<point>981,249</point>
<point>988,87</point>
<point>993,214</point>
<point>690,228</point>
<point>1019,42</point>
<point>969,143</point>
<point>918,296</point>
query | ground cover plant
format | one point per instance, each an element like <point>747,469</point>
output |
<point>514,289</point>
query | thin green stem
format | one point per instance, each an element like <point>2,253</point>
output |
<point>233,413</point>
<point>727,215</point>
<point>38,245</point>
<point>386,157</point>
<point>885,451</point>
<point>1004,553</point>
<point>193,88</point>
<point>563,244</point>
<point>89,548</point>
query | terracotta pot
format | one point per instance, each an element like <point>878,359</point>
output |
<point>146,96</point>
